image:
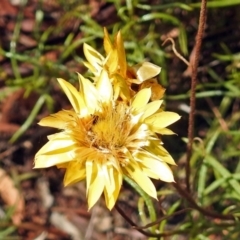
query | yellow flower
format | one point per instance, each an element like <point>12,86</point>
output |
<point>121,74</point>
<point>102,140</point>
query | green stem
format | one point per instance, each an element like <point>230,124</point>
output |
<point>13,43</point>
<point>146,198</point>
<point>30,119</point>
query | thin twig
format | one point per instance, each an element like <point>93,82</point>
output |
<point>148,234</point>
<point>164,218</point>
<point>175,51</point>
<point>194,65</point>
<point>205,212</point>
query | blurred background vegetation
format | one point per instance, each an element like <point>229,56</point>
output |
<point>42,40</point>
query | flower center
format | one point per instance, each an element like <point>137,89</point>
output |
<point>110,128</point>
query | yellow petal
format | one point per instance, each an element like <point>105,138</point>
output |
<point>163,154</point>
<point>166,131</point>
<point>56,145</point>
<point>93,57</point>
<point>89,169</point>
<point>56,157</point>
<point>74,173</point>
<point>162,120</point>
<point>51,121</point>
<point>150,109</point>
<point>90,94</point>
<point>150,173</point>
<point>58,136</point>
<point>104,87</point>
<point>142,180</point>
<point>146,70</point>
<point>73,95</point>
<point>120,88</point>
<point>165,173</point>
<point>57,120</point>
<point>141,98</point>
<point>150,153</point>
<point>156,151</point>
<point>92,69</point>
<point>96,185</point>
<point>160,168</point>
<point>110,172</point>
<point>106,171</point>
<point>111,198</point>
<point>121,54</point>
<point>115,163</point>
<point>112,61</point>
<point>108,47</point>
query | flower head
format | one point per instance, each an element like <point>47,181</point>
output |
<point>120,73</point>
<point>103,139</point>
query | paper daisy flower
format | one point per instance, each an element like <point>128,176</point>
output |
<point>121,74</point>
<point>102,139</point>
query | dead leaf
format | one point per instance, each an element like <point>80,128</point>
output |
<point>11,196</point>
<point>157,89</point>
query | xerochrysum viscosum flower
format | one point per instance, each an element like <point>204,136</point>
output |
<point>102,139</point>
